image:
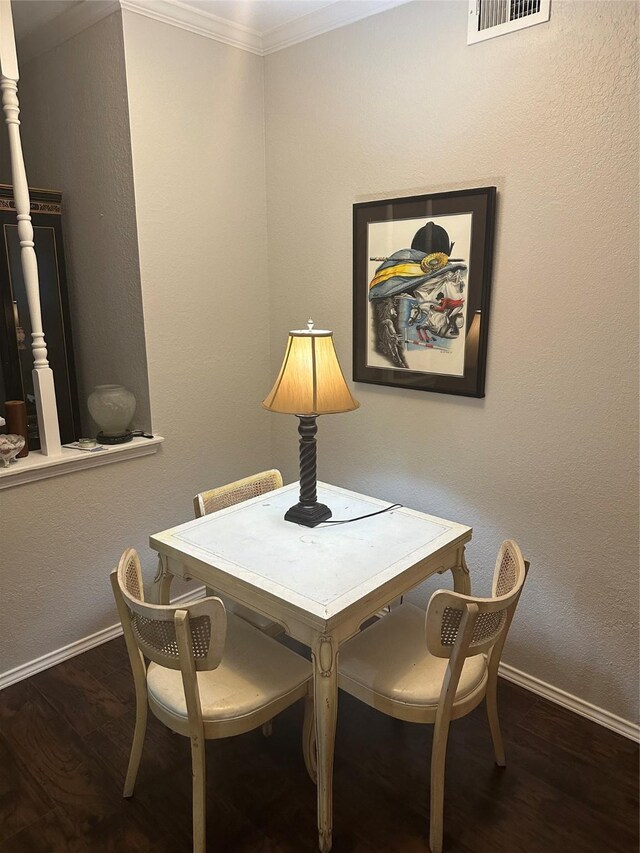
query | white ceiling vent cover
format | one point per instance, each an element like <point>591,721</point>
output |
<point>491,18</point>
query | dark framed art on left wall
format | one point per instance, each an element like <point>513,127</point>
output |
<point>16,359</point>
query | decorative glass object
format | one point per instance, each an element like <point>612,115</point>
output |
<point>16,413</point>
<point>10,446</point>
<point>112,408</point>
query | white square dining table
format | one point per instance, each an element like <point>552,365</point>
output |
<point>319,583</point>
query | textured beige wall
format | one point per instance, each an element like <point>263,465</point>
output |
<point>198,150</point>
<point>197,132</point>
<point>75,130</point>
<point>397,104</point>
<point>549,456</point>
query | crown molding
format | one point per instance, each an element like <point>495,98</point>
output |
<point>178,14</point>
<point>323,21</point>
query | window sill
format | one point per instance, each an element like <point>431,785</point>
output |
<point>35,466</point>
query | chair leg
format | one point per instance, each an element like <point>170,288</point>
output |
<point>198,769</point>
<point>438,758</point>
<point>267,728</point>
<point>136,747</point>
<point>491,700</point>
<point>309,738</point>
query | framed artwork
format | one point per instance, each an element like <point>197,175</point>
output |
<point>16,359</point>
<point>421,287</point>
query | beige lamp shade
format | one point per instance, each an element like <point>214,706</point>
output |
<point>310,381</point>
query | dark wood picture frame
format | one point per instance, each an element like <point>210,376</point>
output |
<point>421,309</point>
<point>16,358</point>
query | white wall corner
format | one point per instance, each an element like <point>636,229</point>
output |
<point>201,23</point>
<point>323,21</point>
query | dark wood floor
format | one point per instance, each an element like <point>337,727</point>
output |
<point>570,785</point>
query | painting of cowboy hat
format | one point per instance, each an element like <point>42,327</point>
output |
<point>419,283</point>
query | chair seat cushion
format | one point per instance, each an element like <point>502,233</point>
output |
<point>388,664</point>
<point>255,671</point>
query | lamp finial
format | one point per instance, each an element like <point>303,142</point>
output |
<point>310,324</point>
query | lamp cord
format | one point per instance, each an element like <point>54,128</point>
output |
<point>360,517</point>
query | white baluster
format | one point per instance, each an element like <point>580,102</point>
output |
<point>42,374</point>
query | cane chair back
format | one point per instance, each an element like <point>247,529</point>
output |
<point>233,493</point>
<point>491,616</point>
<point>220,688</point>
<point>388,667</point>
<point>509,567</point>
<point>229,495</point>
<point>153,626</point>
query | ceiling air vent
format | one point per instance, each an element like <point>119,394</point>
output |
<point>491,18</point>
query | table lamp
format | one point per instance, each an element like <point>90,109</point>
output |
<point>310,383</point>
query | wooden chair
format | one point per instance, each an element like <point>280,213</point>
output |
<point>210,675</point>
<point>388,667</point>
<point>223,497</point>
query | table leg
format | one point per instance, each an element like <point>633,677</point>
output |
<point>161,588</point>
<point>325,675</point>
<point>460,572</point>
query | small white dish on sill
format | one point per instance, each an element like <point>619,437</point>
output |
<point>36,466</point>
<point>10,446</point>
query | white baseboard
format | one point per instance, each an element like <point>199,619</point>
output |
<point>25,670</point>
<point>528,682</point>
<point>573,703</point>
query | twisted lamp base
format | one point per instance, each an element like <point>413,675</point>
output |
<point>308,511</point>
